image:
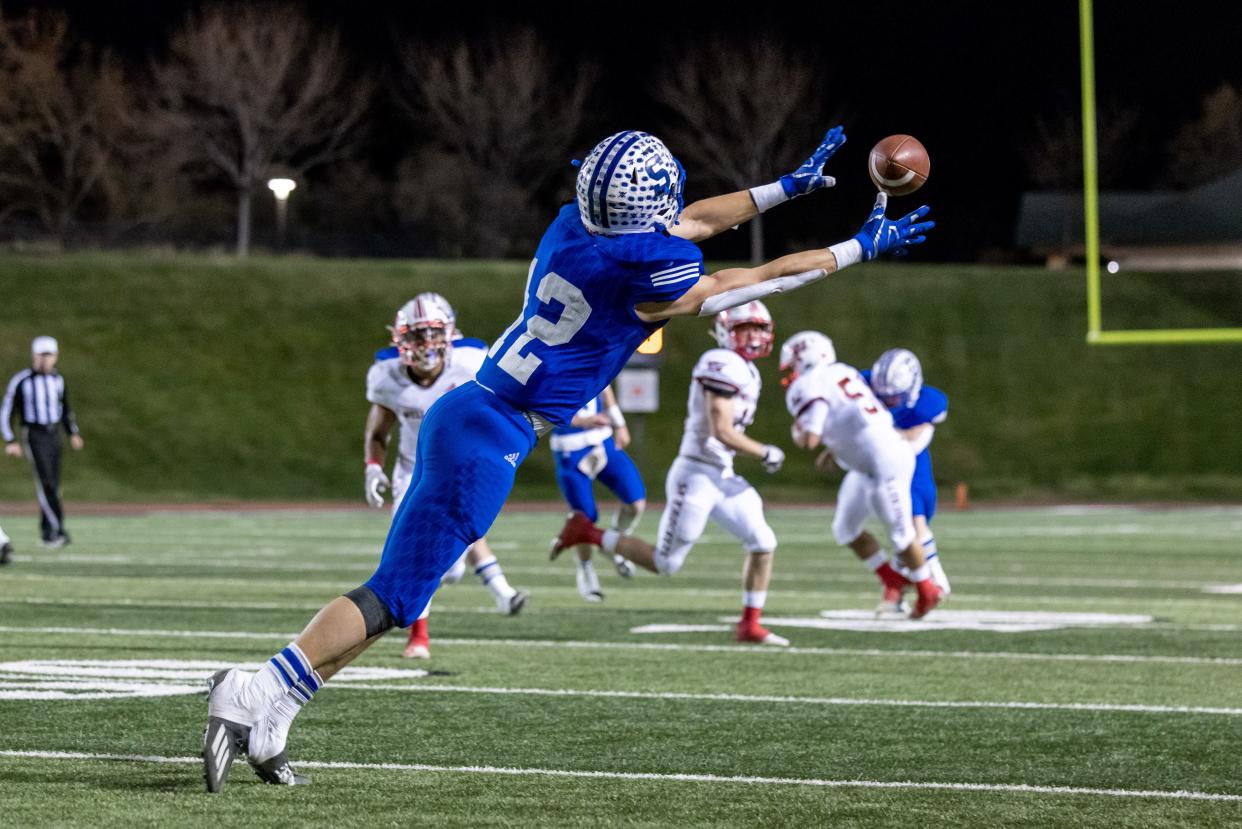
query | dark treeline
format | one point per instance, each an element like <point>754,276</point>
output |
<point>455,143</point>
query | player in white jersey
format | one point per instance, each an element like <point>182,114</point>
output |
<point>432,358</point>
<point>834,407</point>
<point>701,484</point>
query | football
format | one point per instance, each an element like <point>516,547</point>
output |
<point>899,165</point>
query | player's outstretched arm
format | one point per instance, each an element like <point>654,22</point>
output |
<point>736,286</point>
<point>707,217</point>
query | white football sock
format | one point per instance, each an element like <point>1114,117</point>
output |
<point>919,574</point>
<point>754,598</point>
<point>493,578</point>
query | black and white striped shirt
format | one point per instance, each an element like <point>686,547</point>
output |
<point>39,399</point>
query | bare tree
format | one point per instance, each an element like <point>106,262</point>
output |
<point>500,116</point>
<point>1210,146</point>
<point>1054,157</point>
<point>247,87</point>
<point>62,120</point>
<point>743,112</point>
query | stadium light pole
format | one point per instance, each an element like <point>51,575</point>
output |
<point>281,188</point>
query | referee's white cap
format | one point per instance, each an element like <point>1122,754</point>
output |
<point>44,345</point>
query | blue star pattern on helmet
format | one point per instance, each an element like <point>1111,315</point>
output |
<point>810,176</point>
<point>880,235</point>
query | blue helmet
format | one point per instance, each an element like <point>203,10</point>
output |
<point>897,378</point>
<point>630,183</point>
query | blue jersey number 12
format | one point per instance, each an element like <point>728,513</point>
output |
<point>574,313</point>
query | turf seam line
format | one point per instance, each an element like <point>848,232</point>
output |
<point>671,778</point>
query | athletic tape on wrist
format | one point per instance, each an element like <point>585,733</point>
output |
<point>615,416</point>
<point>846,253</point>
<point>767,196</point>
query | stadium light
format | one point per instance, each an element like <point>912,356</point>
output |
<point>281,188</point>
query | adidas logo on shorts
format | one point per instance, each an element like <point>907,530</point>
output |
<point>512,458</point>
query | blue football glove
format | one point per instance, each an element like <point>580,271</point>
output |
<point>879,235</point>
<point>810,176</point>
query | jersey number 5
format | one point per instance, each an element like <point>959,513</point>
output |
<point>858,395</point>
<point>574,313</point>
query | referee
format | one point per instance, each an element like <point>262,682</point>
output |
<point>38,396</point>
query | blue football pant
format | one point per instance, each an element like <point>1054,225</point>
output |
<point>469,448</point>
<point>619,474</point>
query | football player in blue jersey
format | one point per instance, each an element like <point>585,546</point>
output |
<point>592,448</point>
<point>430,358</point>
<point>917,409</point>
<point>609,271</point>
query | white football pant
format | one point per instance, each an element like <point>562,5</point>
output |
<point>698,491</point>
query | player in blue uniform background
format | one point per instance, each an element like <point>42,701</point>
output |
<point>609,271</point>
<point>592,448</point>
<point>917,409</point>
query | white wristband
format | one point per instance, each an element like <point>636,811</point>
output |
<point>767,196</point>
<point>846,253</point>
<point>615,417</point>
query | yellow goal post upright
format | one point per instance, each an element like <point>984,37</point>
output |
<point>1091,211</point>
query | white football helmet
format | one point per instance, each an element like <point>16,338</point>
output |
<point>423,332</point>
<point>753,342</point>
<point>897,378</point>
<point>803,352</point>
<point>630,183</point>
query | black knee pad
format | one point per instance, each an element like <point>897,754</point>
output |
<point>375,614</point>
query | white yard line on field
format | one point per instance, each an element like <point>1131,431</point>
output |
<point>311,606</point>
<point>772,699</point>
<point>1016,788</point>
<point>672,647</point>
<point>273,565</point>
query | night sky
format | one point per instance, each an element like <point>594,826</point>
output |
<point>969,79</point>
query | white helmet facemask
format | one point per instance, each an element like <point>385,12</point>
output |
<point>630,183</point>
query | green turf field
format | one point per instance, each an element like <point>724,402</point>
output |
<point>1112,699</point>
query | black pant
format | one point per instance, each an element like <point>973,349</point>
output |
<point>43,450</point>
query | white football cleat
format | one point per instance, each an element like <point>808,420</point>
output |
<point>625,567</point>
<point>892,605</point>
<point>512,605</point>
<point>588,585</point>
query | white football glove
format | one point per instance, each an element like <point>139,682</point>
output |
<point>773,457</point>
<point>376,485</point>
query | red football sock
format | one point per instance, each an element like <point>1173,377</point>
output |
<point>750,617</point>
<point>890,577</point>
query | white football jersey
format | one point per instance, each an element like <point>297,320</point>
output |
<point>728,373</point>
<point>834,401</point>
<point>390,385</point>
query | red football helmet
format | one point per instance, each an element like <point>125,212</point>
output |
<point>746,329</point>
